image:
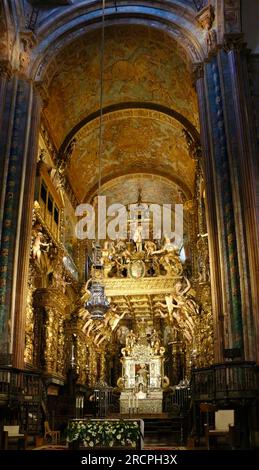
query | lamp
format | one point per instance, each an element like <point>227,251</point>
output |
<point>98,304</point>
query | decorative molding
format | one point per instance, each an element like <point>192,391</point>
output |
<point>50,297</point>
<point>197,71</point>
<point>27,41</point>
<point>234,41</point>
<point>143,286</point>
<point>206,17</point>
<point>194,147</point>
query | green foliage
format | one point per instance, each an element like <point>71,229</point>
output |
<point>104,433</point>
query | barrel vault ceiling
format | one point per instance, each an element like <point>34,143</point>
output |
<point>141,65</point>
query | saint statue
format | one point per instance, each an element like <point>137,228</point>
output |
<point>142,375</point>
<point>137,237</point>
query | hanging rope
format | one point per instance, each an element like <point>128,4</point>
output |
<point>101,97</point>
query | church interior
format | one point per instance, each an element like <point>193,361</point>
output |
<point>146,105</point>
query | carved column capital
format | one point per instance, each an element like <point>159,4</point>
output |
<point>234,42</point>
<point>27,43</point>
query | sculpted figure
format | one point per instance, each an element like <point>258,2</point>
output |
<point>149,247</point>
<point>167,247</point>
<point>131,339</point>
<point>38,243</point>
<point>142,375</point>
<point>137,237</point>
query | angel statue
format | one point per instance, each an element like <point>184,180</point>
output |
<point>37,244</point>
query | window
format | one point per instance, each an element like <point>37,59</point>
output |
<point>43,192</point>
<point>56,214</point>
<point>50,204</point>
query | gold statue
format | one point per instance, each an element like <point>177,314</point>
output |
<point>37,244</point>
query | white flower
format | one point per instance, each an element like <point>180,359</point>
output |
<point>91,444</point>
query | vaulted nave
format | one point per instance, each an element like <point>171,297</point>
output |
<point>129,224</point>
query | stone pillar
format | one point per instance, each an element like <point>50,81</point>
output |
<point>230,276</point>
<point>230,168</point>
<point>19,120</point>
<point>243,155</point>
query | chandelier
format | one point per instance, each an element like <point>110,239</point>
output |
<point>98,304</point>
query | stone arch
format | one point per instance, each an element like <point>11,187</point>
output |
<point>60,29</point>
<point>133,172</point>
<point>160,109</point>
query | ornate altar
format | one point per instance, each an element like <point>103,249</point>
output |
<point>143,379</point>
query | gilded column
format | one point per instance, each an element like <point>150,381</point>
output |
<point>92,366</point>
<point>220,326</point>
<point>50,328</point>
<point>103,367</point>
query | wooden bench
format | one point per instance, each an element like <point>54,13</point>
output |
<point>11,434</point>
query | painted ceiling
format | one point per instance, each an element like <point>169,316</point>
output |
<point>140,65</point>
<point>133,141</point>
<point>154,190</point>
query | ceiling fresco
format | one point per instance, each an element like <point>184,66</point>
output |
<point>140,65</point>
<point>134,141</point>
<point>153,189</point>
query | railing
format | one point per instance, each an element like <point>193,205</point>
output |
<point>180,397</point>
<point>5,359</point>
<point>235,380</point>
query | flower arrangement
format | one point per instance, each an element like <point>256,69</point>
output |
<point>92,433</point>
